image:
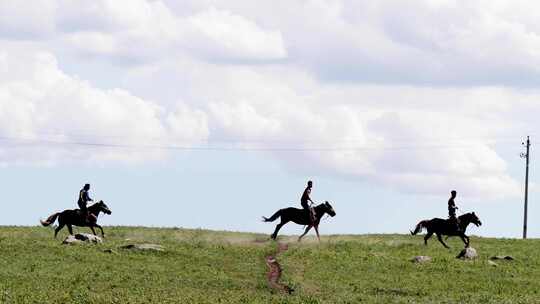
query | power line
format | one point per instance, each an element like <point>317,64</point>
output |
<point>35,141</point>
<point>231,140</point>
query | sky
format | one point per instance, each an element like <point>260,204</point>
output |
<point>211,114</point>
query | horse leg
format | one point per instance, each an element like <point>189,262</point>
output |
<point>317,231</point>
<point>58,229</point>
<point>100,228</point>
<point>305,232</point>
<point>441,240</point>
<point>92,228</point>
<point>465,239</point>
<point>274,235</point>
<point>70,228</point>
<point>428,235</point>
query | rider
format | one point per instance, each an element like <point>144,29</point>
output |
<point>305,199</point>
<point>83,199</point>
<point>452,210</point>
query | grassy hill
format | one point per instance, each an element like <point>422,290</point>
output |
<point>200,266</point>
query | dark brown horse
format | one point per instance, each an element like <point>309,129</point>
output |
<point>442,227</point>
<point>73,217</point>
<point>301,217</point>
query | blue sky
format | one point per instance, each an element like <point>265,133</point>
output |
<point>213,113</point>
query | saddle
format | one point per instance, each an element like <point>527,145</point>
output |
<point>453,223</point>
<point>82,217</point>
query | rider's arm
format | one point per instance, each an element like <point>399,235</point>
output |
<point>307,194</point>
<point>87,197</point>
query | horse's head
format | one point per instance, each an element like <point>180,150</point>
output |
<point>102,207</point>
<point>329,209</point>
<point>473,218</point>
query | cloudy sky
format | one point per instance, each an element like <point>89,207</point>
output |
<point>212,113</point>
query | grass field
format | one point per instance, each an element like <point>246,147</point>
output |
<point>200,266</point>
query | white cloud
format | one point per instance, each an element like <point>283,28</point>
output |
<point>421,43</point>
<point>379,134</point>
<point>145,30</point>
<point>223,35</point>
<point>399,92</point>
<point>27,20</point>
<point>38,102</point>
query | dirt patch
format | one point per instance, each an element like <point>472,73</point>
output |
<point>274,272</point>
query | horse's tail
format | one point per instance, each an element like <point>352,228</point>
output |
<point>273,217</point>
<point>419,227</point>
<point>50,219</point>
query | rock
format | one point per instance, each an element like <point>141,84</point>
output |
<point>110,251</point>
<point>144,247</point>
<point>491,263</point>
<point>468,253</point>
<point>80,238</point>
<point>502,257</point>
<point>71,240</point>
<point>421,259</point>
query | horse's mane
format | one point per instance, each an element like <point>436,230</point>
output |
<point>95,204</point>
<point>466,214</point>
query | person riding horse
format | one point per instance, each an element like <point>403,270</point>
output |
<point>309,216</point>
<point>452,219</point>
<point>84,198</point>
<point>305,199</point>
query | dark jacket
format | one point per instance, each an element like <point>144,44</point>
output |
<point>83,199</point>
<point>305,198</point>
<point>452,208</point>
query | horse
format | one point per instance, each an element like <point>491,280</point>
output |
<point>301,217</point>
<point>444,227</point>
<point>73,217</point>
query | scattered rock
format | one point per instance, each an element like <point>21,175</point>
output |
<point>144,247</point>
<point>421,259</point>
<point>80,238</point>
<point>468,253</point>
<point>491,263</point>
<point>502,257</point>
<point>110,251</point>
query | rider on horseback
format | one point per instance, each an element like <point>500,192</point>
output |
<point>83,199</point>
<point>305,199</point>
<point>452,219</point>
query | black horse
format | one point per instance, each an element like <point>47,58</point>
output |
<point>301,217</point>
<point>74,217</point>
<point>444,227</point>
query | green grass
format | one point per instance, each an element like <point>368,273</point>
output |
<point>202,266</point>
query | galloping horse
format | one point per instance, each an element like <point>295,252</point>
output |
<point>301,217</point>
<point>444,227</point>
<point>73,217</point>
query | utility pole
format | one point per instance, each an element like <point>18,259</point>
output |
<point>526,156</point>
